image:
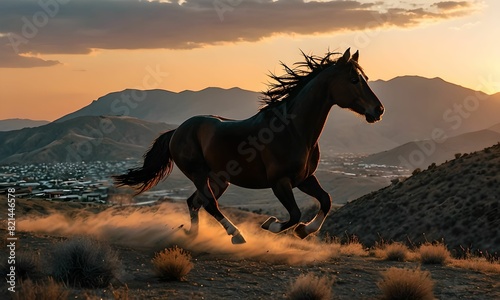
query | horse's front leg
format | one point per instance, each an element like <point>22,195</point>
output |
<point>284,193</point>
<point>312,187</point>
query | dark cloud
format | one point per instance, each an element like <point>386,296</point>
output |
<point>9,59</point>
<point>450,5</point>
<point>76,27</point>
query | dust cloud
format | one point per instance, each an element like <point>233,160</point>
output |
<point>165,225</point>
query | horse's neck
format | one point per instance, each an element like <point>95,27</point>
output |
<point>310,109</point>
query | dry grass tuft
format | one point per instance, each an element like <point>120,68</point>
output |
<point>353,249</point>
<point>334,245</point>
<point>477,264</point>
<point>396,252</point>
<point>48,290</point>
<point>28,266</point>
<point>436,254</point>
<point>172,264</point>
<point>310,287</point>
<point>84,262</point>
<point>406,284</point>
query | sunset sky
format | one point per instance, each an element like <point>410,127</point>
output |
<point>56,56</point>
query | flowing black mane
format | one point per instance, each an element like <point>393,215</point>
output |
<point>289,84</point>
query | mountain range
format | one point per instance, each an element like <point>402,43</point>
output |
<point>14,124</point>
<point>170,107</point>
<point>418,110</point>
<point>88,138</point>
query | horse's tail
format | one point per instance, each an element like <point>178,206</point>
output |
<point>158,164</point>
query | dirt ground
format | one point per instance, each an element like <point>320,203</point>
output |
<point>234,273</point>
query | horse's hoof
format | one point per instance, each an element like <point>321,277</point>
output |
<point>238,239</point>
<point>268,223</point>
<point>192,233</point>
<point>300,231</point>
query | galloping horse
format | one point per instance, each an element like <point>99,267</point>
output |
<point>276,148</point>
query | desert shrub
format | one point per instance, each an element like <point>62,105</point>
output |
<point>27,266</point>
<point>406,284</point>
<point>434,254</point>
<point>458,155</point>
<point>84,262</point>
<point>416,171</point>
<point>477,264</point>
<point>47,290</point>
<point>353,249</point>
<point>310,287</point>
<point>172,264</point>
<point>333,244</point>
<point>396,252</point>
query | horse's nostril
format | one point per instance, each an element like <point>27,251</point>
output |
<point>380,109</point>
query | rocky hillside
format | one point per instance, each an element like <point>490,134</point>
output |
<point>458,201</point>
<point>80,139</point>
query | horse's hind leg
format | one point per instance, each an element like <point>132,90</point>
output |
<point>209,191</point>
<point>194,203</point>
<point>312,187</point>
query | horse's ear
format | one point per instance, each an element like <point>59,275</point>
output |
<point>355,56</point>
<point>345,58</point>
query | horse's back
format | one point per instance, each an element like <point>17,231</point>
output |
<point>221,146</point>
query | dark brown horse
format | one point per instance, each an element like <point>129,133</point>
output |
<point>277,148</point>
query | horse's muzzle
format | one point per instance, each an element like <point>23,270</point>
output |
<point>376,115</point>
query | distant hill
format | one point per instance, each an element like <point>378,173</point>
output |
<point>170,107</point>
<point>13,124</point>
<point>458,201</point>
<point>415,108</point>
<point>495,127</point>
<point>83,138</point>
<point>421,154</point>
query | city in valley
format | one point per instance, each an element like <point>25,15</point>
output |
<point>92,182</point>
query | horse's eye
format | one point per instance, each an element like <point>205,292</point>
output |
<point>355,80</point>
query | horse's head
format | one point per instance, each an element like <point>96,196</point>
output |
<point>349,89</point>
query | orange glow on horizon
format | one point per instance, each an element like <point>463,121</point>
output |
<point>447,49</point>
